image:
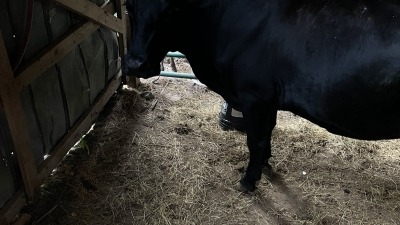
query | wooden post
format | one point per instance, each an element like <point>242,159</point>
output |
<point>16,121</point>
<point>123,40</point>
<point>120,8</point>
<point>122,43</point>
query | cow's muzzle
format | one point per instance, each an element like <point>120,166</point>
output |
<point>139,67</point>
<point>134,63</point>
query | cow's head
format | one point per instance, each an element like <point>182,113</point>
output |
<point>152,33</point>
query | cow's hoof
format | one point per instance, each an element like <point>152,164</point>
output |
<point>267,166</point>
<point>267,170</point>
<point>244,188</point>
<point>241,188</point>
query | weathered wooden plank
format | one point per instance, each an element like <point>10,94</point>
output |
<point>24,219</point>
<point>80,128</point>
<point>110,40</point>
<point>48,103</point>
<point>51,55</point>
<point>94,13</point>
<point>58,20</point>
<point>76,87</point>
<point>7,186</point>
<point>120,9</point>
<point>55,52</point>
<point>93,55</point>
<point>33,124</point>
<point>38,37</point>
<point>124,38</point>
<point>16,121</point>
<point>12,207</point>
<point>9,30</point>
<point>18,201</point>
<point>7,168</point>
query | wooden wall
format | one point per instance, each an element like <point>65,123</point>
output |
<point>59,65</point>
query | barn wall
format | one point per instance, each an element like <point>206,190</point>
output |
<point>54,101</point>
<point>7,183</point>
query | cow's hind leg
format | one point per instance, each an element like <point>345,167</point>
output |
<point>260,121</point>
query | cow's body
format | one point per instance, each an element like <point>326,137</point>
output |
<point>335,63</point>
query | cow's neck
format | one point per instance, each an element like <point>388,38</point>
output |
<point>200,20</point>
<point>197,35</point>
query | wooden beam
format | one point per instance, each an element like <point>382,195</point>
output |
<point>12,207</point>
<point>79,129</point>
<point>24,219</point>
<point>94,13</point>
<point>16,122</point>
<point>55,52</point>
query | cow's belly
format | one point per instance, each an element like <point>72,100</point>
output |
<point>362,110</point>
<point>359,124</point>
<point>355,123</point>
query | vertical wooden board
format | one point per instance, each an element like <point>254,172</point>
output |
<point>38,37</point>
<point>50,108</point>
<point>7,147</point>
<point>11,104</point>
<point>94,57</point>
<point>20,19</point>
<point>75,84</point>
<point>59,20</point>
<point>113,60</point>
<point>7,188</point>
<point>8,174</point>
<point>7,30</point>
<point>35,134</point>
<point>18,10</point>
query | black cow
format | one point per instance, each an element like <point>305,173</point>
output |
<point>333,62</point>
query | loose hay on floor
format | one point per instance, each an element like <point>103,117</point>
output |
<point>166,161</point>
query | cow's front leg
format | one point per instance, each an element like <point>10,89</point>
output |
<point>260,121</point>
<point>271,126</point>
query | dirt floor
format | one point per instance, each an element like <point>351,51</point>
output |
<point>157,156</point>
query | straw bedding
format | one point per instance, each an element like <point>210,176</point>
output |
<point>165,160</point>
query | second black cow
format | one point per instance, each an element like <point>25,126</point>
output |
<point>333,62</point>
